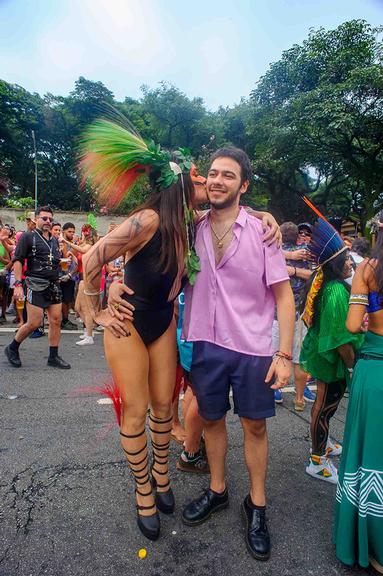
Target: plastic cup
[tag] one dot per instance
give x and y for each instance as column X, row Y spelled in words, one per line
column 20, row 304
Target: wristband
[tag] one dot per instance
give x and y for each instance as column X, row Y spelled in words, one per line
column 92, row 293
column 281, row 354
column 17, row 283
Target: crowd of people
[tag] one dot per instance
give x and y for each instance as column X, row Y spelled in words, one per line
column 208, row 303
column 40, row 281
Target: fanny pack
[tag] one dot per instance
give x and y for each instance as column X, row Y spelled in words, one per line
column 37, row 284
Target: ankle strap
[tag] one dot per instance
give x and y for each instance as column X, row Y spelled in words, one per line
column 132, row 435
column 135, row 453
column 161, row 446
column 159, row 431
column 159, row 420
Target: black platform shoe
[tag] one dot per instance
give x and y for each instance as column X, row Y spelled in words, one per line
column 149, row 525
column 203, row 507
column 257, row 536
column 164, row 500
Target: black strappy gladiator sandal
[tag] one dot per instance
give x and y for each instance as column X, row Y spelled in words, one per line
column 149, row 525
column 164, row 500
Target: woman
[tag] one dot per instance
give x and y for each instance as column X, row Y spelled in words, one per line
column 157, row 240
column 358, row 533
column 328, row 350
column 4, row 272
column 88, row 239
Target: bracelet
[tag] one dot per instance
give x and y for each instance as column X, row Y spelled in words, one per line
column 92, row 293
column 281, row 354
column 361, row 299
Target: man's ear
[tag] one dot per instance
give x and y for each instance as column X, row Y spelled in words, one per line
column 244, row 186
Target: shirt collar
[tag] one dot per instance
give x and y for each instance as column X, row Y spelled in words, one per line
column 241, row 218
column 41, row 234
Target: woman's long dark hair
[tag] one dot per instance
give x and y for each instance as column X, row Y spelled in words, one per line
column 377, row 254
column 169, row 206
column 333, row 270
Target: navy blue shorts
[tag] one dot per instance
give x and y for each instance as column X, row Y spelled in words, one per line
column 214, row 369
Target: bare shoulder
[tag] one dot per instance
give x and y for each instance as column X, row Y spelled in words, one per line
column 366, row 268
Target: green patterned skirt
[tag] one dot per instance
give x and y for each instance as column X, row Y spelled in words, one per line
column 358, row 530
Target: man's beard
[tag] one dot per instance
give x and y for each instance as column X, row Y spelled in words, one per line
column 229, row 201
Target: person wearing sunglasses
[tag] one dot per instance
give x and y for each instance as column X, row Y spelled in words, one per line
column 41, row 251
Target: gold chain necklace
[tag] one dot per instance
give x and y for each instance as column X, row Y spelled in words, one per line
column 220, row 240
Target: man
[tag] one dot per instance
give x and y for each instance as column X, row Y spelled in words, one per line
column 41, row 251
column 305, row 231
column 299, row 270
column 228, row 315
column 30, row 221
column 67, row 283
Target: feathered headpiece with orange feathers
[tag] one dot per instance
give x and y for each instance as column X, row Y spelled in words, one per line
column 325, row 244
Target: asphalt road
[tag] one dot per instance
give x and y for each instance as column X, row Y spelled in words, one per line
column 67, row 502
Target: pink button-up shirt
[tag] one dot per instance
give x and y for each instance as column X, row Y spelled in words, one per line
column 231, row 304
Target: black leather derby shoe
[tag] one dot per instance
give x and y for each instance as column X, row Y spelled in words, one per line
column 58, row 362
column 203, row 507
column 13, row 357
column 257, row 535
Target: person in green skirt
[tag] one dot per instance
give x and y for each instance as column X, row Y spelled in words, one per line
column 328, row 350
column 358, row 530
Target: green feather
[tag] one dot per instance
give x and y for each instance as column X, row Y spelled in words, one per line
column 92, row 221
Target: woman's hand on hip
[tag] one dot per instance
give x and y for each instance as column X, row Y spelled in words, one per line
column 117, row 306
column 117, row 327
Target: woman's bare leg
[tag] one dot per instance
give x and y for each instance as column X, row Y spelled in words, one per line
column 129, row 361
column 162, row 374
column 82, row 310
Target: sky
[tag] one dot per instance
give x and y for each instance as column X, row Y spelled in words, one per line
column 215, row 49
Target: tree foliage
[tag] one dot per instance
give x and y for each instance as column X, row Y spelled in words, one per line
column 312, row 125
column 318, row 121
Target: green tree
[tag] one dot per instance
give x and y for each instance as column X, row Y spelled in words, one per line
column 319, row 110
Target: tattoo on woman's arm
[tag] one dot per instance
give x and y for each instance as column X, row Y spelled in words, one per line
column 111, row 249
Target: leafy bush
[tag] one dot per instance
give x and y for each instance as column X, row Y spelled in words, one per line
column 20, row 203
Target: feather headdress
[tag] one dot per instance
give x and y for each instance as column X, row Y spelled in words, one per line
column 325, row 244
column 113, row 156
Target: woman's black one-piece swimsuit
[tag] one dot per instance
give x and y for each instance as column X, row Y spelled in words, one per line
column 153, row 313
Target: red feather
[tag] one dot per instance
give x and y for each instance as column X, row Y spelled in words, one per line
column 315, row 209
column 111, row 390
column 110, row 196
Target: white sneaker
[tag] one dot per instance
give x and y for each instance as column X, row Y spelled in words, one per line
column 85, row 341
column 85, row 335
column 321, row 467
column 333, row 448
